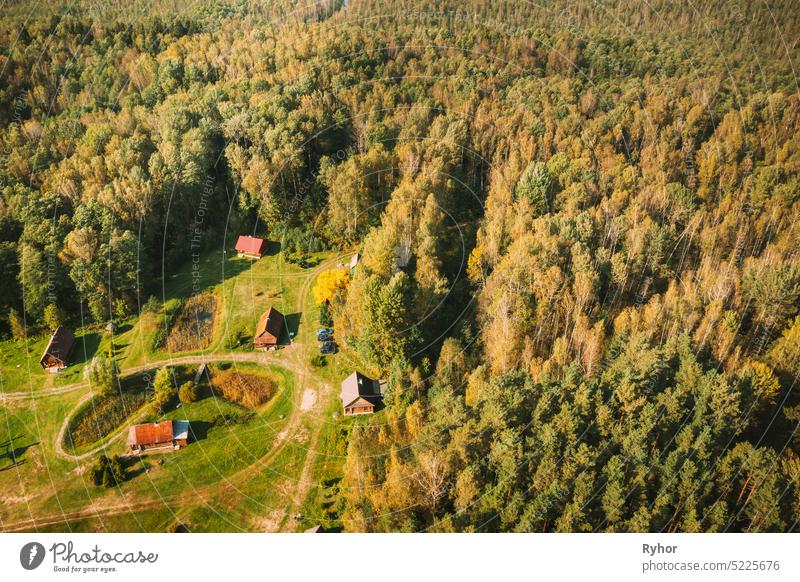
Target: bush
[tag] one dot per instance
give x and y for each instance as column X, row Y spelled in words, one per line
column 235, row 338
column 325, row 318
column 107, row 471
column 188, row 392
column 165, row 392
column 319, row 361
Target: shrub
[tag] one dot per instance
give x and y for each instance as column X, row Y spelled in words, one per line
column 319, row 361
column 235, row 338
column 188, row 392
column 152, row 305
column 325, row 318
column 107, row 471
column 165, row 392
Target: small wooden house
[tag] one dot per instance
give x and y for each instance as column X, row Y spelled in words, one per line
column 360, row 395
column 59, row 348
column 167, row 434
column 268, row 330
column 250, row 247
column 354, row 261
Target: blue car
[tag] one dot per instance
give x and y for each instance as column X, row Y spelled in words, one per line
column 324, row 334
column 328, row 348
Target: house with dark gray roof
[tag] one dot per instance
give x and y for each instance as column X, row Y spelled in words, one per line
column 360, row 394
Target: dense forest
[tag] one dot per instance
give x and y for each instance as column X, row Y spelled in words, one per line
column 578, row 223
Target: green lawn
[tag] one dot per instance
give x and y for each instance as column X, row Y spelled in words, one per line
column 19, row 361
column 242, row 471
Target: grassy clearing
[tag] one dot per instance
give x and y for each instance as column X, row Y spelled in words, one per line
column 229, row 439
column 19, row 361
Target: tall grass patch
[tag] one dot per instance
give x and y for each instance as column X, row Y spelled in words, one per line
column 193, row 327
column 247, row 390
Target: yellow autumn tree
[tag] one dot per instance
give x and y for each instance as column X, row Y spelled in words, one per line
column 329, row 284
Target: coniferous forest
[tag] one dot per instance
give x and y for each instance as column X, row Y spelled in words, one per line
column 578, row 223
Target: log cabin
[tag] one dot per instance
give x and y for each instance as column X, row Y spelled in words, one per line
column 167, row 434
column 361, row 395
column 250, row 247
column 56, row 355
column 268, row 330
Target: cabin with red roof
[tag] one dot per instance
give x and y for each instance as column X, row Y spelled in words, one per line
column 268, row 330
column 251, row 247
column 167, row 434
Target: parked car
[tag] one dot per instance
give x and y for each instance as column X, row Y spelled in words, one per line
column 324, row 337
column 328, row 348
column 324, row 330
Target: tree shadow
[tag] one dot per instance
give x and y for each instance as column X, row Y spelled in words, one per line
column 134, row 465
column 291, row 324
column 198, row 430
column 85, row 348
column 271, row 248
column 14, row 454
column 210, row 271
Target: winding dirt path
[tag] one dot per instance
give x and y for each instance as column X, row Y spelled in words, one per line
column 294, row 358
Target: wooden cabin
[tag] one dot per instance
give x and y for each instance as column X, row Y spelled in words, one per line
column 59, row 348
column 250, row 247
column 167, row 434
column 268, row 330
column 360, row 395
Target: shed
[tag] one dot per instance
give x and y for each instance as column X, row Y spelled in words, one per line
column 360, row 394
column 159, row 435
column 268, row 330
column 354, row 261
column 59, row 348
column 250, row 247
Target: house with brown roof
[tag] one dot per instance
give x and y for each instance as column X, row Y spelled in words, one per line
column 268, row 330
column 166, row 434
column 360, row 395
column 59, row 348
column 251, row 247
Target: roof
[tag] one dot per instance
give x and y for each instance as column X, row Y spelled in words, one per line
column 251, row 245
column 150, row 434
column 270, row 322
column 60, row 344
column 354, row 260
column 180, row 429
column 315, row 529
column 356, row 386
